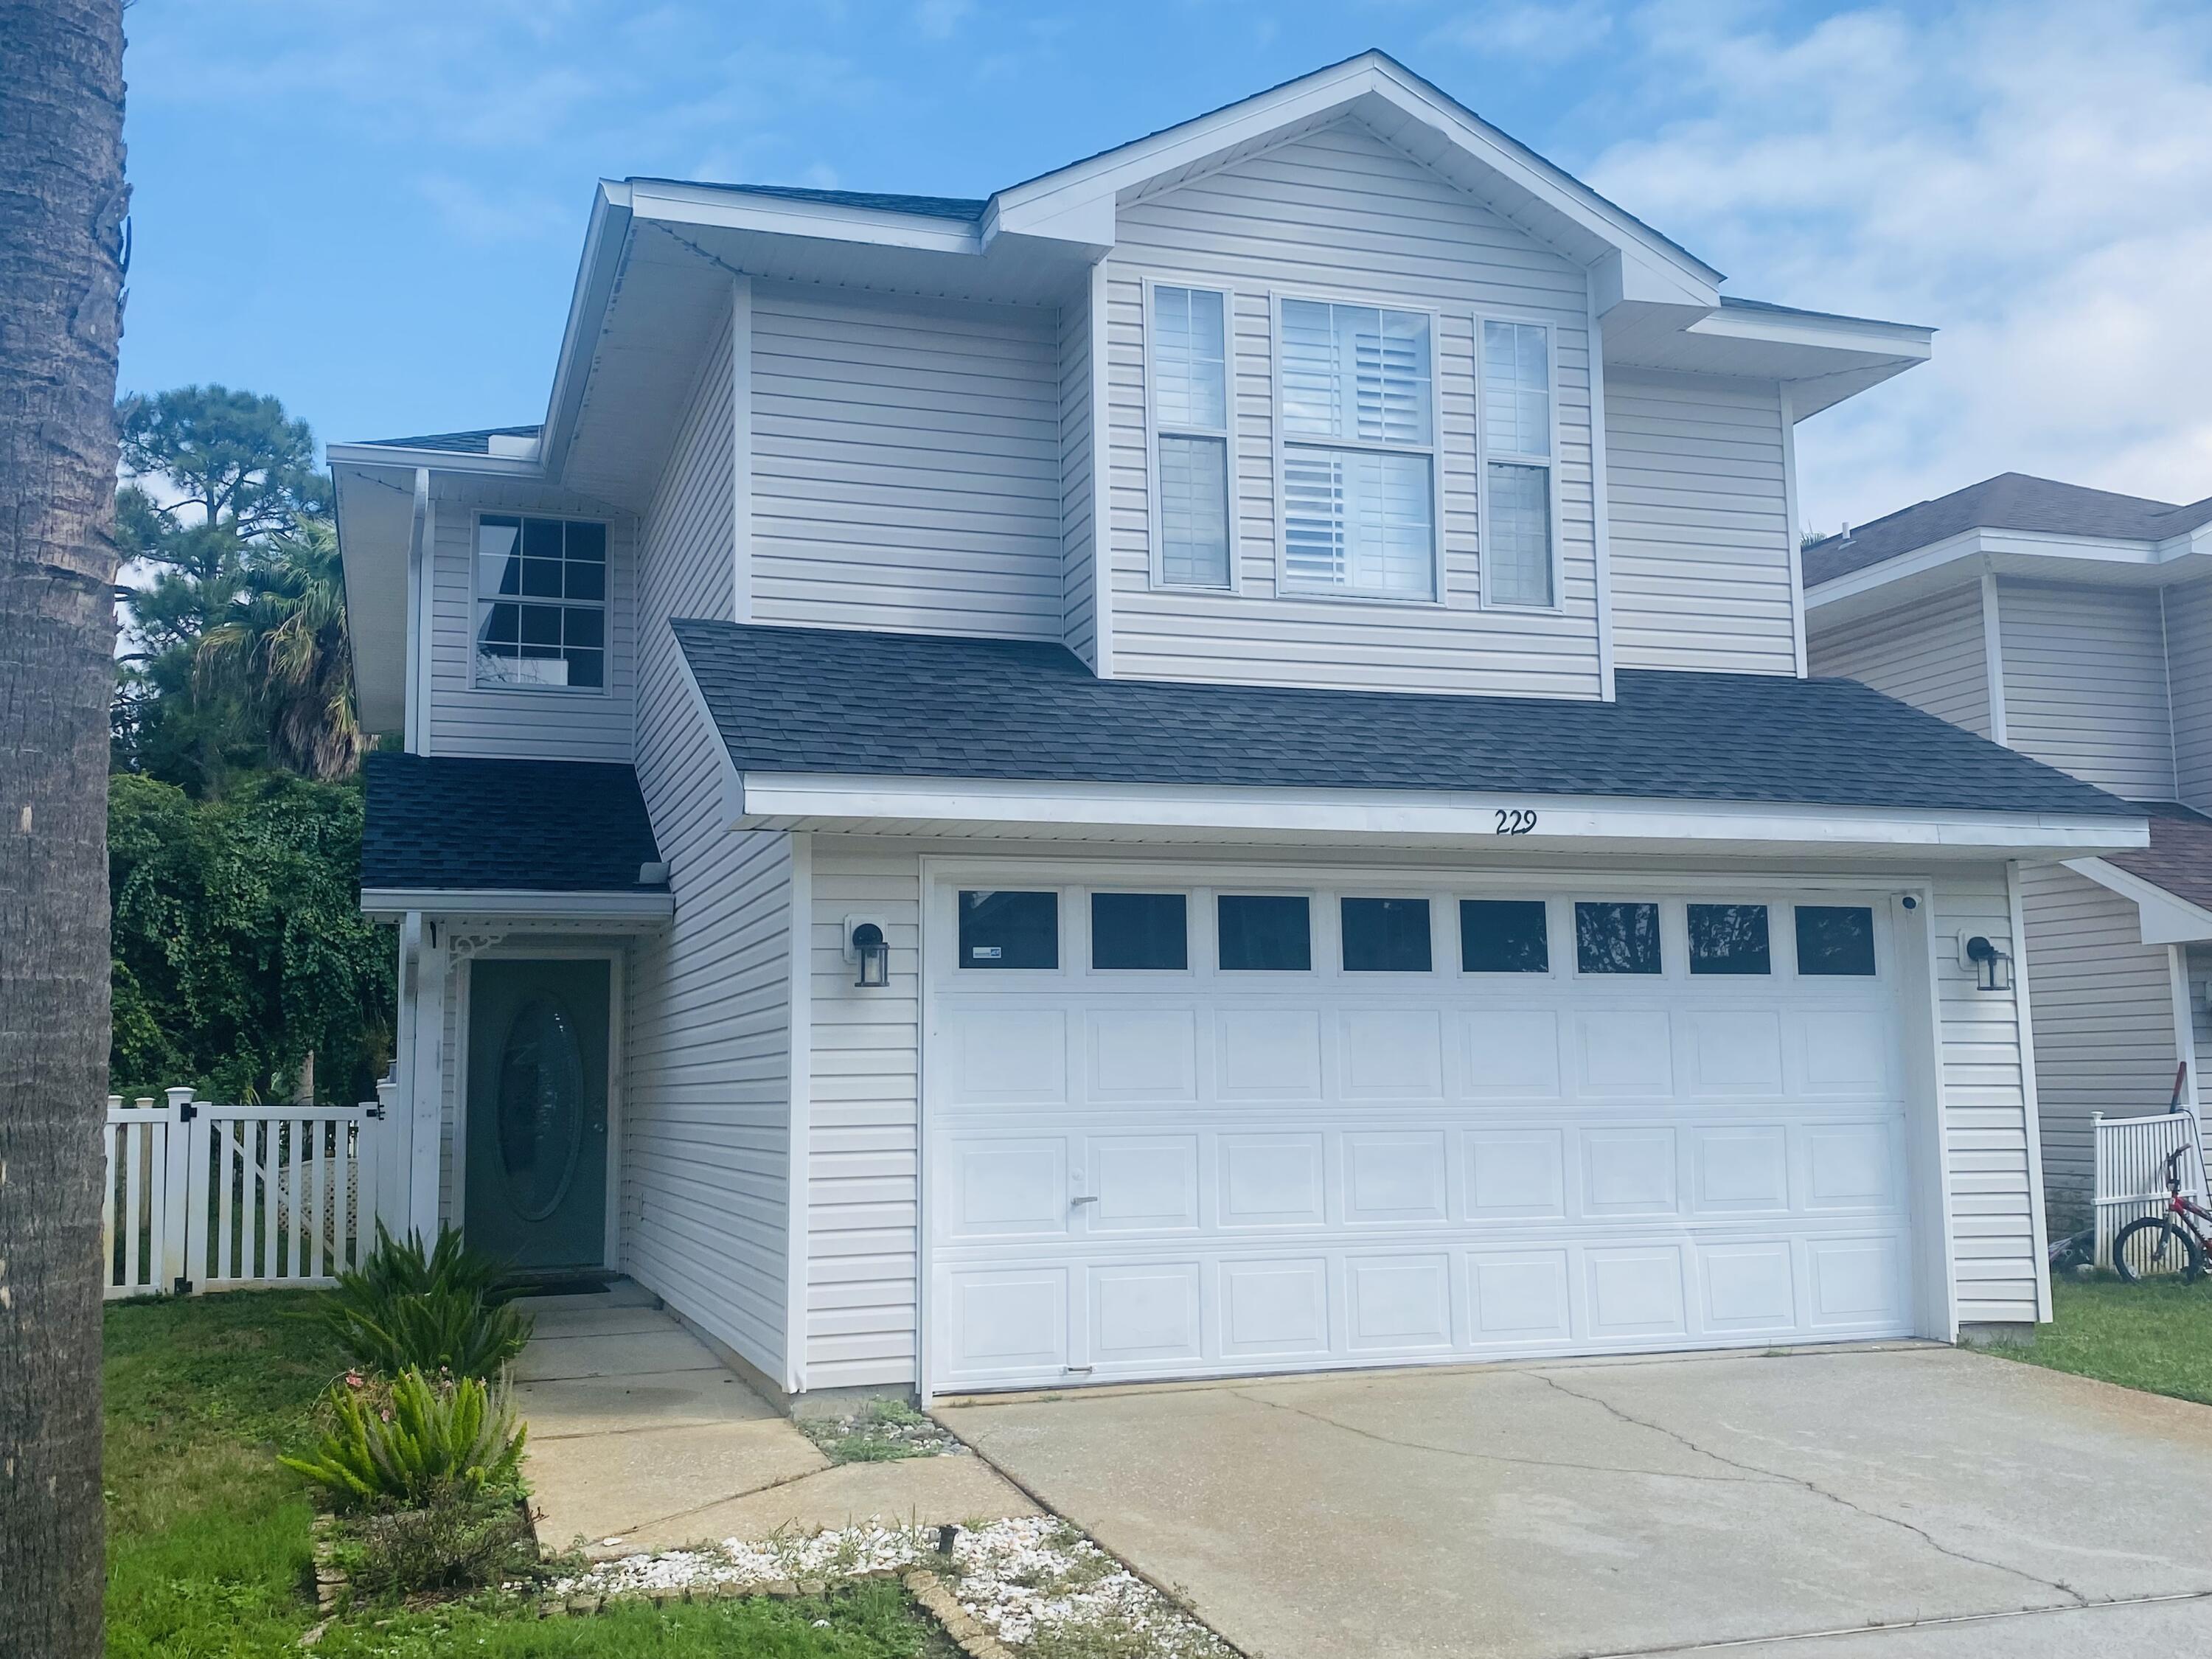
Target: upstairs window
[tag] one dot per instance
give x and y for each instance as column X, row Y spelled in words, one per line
column 1516, row 448
column 1359, row 428
column 541, row 601
column 1190, row 428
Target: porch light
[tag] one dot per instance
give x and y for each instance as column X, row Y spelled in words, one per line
column 873, row 952
column 1992, row 967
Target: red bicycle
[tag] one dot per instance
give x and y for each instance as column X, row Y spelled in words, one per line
column 2168, row 1245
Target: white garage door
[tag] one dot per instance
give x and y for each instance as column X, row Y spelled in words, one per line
column 1180, row 1130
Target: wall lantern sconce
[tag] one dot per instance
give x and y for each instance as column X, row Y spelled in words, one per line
column 1992, row 967
column 872, row 951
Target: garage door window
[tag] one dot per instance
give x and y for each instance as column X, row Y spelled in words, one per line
column 1728, row 938
column 1002, row 929
column 1385, row 935
column 1140, row 930
column 1504, row 936
column 1616, row 938
column 1835, row 940
column 1264, row 933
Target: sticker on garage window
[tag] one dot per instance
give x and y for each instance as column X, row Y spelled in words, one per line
column 985, row 952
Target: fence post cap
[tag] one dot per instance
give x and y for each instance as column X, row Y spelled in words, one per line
column 181, row 1096
column 144, row 1102
column 115, row 1103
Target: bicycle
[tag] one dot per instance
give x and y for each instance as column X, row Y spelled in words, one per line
column 2170, row 1243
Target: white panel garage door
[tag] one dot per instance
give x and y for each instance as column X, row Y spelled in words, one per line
column 1537, row 1144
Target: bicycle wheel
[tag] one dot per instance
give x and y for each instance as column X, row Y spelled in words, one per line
column 2153, row 1247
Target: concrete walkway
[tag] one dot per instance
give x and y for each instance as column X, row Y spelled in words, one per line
column 642, row 1438
column 1971, row 1504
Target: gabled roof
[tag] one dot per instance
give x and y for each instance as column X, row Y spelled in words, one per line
column 2011, row 501
column 449, row 822
column 794, row 699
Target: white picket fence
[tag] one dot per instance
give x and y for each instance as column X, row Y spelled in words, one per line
column 207, row 1197
column 2131, row 1155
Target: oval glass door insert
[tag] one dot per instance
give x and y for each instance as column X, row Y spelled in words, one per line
column 541, row 1107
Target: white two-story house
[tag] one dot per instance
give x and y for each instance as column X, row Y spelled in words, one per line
column 2074, row 625
column 1203, row 765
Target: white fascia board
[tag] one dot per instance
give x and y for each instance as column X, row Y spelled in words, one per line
column 2167, row 918
column 2025, row 544
column 613, row 909
column 1818, row 330
column 677, row 204
column 825, row 799
column 606, row 242
column 1060, row 196
column 403, row 458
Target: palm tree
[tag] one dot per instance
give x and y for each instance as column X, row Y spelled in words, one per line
column 62, row 206
column 284, row 647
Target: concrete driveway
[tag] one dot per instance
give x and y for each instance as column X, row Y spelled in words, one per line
column 1968, row 1504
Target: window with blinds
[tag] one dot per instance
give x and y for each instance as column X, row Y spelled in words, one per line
column 1517, row 552
column 1190, row 340
column 1358, row 430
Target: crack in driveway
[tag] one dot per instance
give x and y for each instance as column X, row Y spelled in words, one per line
column 1381, row 1438
column 2074, row 1597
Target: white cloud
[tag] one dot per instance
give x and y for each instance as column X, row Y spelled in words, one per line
column 484, row 217
column 937, row 20
column 2033, row 179
column 1533, row 29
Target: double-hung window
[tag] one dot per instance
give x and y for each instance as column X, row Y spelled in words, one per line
column 541, row 601
column 1190, row 434
column 1516, row 448
column 1358, row 440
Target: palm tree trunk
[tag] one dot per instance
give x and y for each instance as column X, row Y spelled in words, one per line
column 61, row 202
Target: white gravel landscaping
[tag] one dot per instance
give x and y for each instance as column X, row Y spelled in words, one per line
column 1034, row 1582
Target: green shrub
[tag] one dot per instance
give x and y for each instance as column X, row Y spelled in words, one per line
column 433, row 1310
column 415, row 1442
column 455, row 1542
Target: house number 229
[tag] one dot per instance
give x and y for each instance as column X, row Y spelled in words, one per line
column 1515, row 820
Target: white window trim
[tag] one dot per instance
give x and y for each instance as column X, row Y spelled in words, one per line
column 1288, row 589
column 1483, row 458
column 1154, row 430
column 476, row 595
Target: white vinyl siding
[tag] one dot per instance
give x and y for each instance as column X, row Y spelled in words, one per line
column 1079, row 562
column 1516, row 427
column 2189, row 670
column 1701, row 544
column 708, row 1096
column 513, row 721
column 1339, row 215
column 2103, row 1016
column 863, row 1256
column 2085, row 683
column 907, row 464
column 1932, row 656
column 1996, row 1267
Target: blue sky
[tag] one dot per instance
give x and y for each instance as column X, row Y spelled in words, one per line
column 374, row 208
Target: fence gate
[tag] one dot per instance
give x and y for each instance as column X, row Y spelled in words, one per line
column 2131, row 1154
column 209, row 1197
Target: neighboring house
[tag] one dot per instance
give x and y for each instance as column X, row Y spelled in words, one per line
column 2075, row 626
column 1202, row 766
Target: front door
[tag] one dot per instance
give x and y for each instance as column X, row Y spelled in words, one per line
column 537, row 1117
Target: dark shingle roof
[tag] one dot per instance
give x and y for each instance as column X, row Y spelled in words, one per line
column 2011, row 501
column 817, row 700
column 966, row 208
column 2180, row 856
column 478, row 442
column 440, row 821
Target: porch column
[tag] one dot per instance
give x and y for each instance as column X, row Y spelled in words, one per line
column 424, row 955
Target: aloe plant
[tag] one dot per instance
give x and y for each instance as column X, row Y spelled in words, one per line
column 414, row 1441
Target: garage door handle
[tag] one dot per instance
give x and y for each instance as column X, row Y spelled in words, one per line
column 1082, row 1198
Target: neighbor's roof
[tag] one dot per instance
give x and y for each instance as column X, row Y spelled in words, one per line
column 478, row 442
column 2180, row 856
column 912, row 705
column 454, row 822
column 968, row 209
column 2011, row 501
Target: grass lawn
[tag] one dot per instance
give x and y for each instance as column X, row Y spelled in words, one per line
column 208, row 1535
column 2153, row 1337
